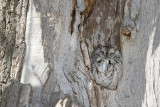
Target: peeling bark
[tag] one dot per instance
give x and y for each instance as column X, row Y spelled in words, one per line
column 85, row 53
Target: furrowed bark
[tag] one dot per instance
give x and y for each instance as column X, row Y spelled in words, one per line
column 84, row 53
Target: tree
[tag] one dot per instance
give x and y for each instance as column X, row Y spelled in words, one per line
column 102, row 53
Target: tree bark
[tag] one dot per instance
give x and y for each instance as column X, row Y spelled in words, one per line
column 85, row 53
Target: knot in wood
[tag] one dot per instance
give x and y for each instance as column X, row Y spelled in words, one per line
column 2, row 53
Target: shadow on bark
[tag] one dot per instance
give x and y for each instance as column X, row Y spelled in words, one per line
column 132, row 87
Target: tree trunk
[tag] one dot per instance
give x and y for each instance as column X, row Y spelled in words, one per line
column 85, row 53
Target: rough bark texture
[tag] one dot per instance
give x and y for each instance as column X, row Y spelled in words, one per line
column 84, row 53
column 12, row 39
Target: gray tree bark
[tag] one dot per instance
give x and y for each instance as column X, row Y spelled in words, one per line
column 79, row 53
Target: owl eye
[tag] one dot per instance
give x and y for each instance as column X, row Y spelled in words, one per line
column 99, row 61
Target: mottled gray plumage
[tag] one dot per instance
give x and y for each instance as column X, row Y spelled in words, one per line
column 106, row 66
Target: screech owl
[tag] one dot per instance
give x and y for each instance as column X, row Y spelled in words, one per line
column 106, row 66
